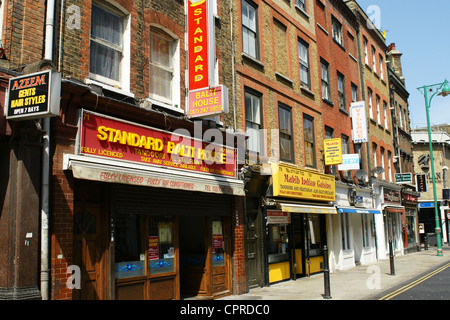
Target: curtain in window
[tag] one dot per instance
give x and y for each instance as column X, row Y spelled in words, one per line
column 106, row 43
column 161, row 64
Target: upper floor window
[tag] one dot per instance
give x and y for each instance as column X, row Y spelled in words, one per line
column 381, row 67
column 369, row 91
column 337, row 33
column 301, row 4
column 107, row 45
column 341, row 90
column 253, row 121
column 309, row 141
column 324, row 74
column 303, row 57
column 374, row 62
column 386, row 123
column 286, row 135
column 354, row 93
column 366, row 55
column 249, row 29
column 163, row 71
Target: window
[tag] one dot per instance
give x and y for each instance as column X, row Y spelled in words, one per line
column 366, row 55
column 253, row 121
column 374, row 63
column 286, row 141
column 337, row 32
column 383, row 175
column 345, row 231
column 325, row 80
column 163, row 52
column 249, row 30
column 354, row 93
column 309, row 141
column 345, row 141
column 386, row 123
column 303, row 57
column 369, row 91
column 378, row 109
column 341, row 90
column 301, row 4
column 366, row 227
column 161, row 247
column 381, row 67
column 389, row 166
column 374, row 155
column 106, row 45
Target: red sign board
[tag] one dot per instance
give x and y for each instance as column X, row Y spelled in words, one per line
column 153, row 252
column 107, row 137
column 201, row 44
column 207, row 102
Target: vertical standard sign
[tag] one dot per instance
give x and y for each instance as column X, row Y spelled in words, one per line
column 201, row 46
column 359, row 121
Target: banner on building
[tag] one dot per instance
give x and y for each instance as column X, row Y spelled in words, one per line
column 34, row 96
column 208, row 102
column 333, row 151
column 291, row 182
column 359, row 121
column 349, row 162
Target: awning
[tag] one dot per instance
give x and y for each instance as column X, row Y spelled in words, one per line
column 113, row 171
column 298, row 208
column 358, row 210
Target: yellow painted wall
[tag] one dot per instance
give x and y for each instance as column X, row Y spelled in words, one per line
column 315, row 263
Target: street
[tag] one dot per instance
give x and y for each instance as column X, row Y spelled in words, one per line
column 433, row 285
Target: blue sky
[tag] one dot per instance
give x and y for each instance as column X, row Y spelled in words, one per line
column 420, row 31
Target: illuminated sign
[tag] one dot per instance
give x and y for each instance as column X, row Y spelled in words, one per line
column 107, row 137
column 201, row 44
column 291, row 182
column 333, row 151
column 207, row 102
column 34, row 96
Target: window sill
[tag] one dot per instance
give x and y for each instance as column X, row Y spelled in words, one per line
column 302, row 12
column 339, row 44
column 109, row 87
column 329, row 102
column 322, row 28
column 284, row 78
column 248, row 57
column 307, row 91
column 157, row 103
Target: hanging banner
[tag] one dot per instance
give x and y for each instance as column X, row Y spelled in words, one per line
column 359, row 121
column 333, row 151
column 201, row 44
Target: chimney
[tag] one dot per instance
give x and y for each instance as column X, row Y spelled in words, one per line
column 394, row 58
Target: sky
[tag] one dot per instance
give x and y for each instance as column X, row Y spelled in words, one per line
column 421, row 32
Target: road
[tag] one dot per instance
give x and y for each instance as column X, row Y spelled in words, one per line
column 434, row 285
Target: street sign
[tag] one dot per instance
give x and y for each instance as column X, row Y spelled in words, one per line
column 403, row 177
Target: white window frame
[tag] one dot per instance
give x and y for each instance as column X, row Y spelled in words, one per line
column 378, row 108
column 386, row 122
column 174, row 101
column 370, row 97
column 124, row 70
column 248, row 4
column 255, row 122
column 366, row 54
column 374, row 59
column 303, row 47
column 325, row 80
column 380, row 58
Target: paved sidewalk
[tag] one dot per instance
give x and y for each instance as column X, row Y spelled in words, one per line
column 369, row 282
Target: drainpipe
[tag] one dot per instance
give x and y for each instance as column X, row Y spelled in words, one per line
column 45, row 270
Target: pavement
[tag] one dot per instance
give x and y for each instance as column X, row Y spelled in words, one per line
column 363, row 282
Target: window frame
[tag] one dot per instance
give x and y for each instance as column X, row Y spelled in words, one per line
column 341, row 91
column 325, row 66
column 174, row 100
column 301, row 4
column 258, row 97
column 123, row 82
column 250, row 4
column 336, row 31
column 309, row 119
column 290, row 133
column 304, row 64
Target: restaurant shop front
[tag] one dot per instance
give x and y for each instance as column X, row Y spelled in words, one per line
column 296, row 208
column 151, row 213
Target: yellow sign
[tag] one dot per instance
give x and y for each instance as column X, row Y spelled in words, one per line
column 291, row 182
column 333, row 151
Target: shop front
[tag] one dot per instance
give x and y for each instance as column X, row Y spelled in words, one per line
column 154, row 212
column 393, row 212
column 410, row 221
column 296, row 209
column 352, row 233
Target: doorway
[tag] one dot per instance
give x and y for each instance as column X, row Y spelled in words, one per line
column 204, row 259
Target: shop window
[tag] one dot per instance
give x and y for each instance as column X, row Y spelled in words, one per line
column 161, row 248
column 218, row 242
column 277, row 248
column 345, row 231
column 129, row 248
column 366, row 227
column 314, row 236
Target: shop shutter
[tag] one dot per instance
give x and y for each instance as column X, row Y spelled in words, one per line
column 145, row 200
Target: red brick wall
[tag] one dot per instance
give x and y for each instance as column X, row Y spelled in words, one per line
column 238, row 246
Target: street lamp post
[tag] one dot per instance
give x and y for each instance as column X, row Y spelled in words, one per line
column 429, row 92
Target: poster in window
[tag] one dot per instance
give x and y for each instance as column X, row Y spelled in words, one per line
column 153, row 252
column 165, row 232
